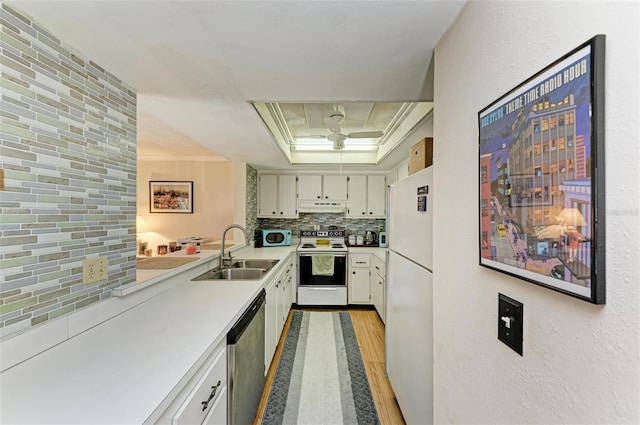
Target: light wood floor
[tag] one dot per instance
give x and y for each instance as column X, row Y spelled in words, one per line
column 370, row 334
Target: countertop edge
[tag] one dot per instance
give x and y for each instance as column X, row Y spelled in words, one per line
column 151, row 406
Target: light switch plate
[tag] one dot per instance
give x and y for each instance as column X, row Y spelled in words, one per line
column 510, row 314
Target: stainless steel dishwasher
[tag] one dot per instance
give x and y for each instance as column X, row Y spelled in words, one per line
column 245, row 363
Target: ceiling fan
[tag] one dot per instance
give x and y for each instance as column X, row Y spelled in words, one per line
column 333, row 123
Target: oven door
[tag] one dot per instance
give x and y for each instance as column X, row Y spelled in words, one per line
column 322, row 269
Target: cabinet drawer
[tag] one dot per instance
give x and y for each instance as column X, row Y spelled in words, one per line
column 359, row 260
column 211, row 386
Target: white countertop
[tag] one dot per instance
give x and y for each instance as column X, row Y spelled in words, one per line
column 377, row 251
column 120, row 371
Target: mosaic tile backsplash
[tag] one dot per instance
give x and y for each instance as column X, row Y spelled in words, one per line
column 68, row 151
column 252, row 201
column 308, row 220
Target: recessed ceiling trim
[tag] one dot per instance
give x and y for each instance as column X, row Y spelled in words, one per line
column 407, row 127
column 302, row 134
column 269, row 124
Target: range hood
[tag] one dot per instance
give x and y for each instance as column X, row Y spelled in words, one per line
column 322, row 206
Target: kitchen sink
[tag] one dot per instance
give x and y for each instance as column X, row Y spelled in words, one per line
column 253, row 264
column 241, row 269
column 232, row 274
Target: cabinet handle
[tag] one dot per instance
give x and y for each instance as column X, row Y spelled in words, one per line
column 214, row 389
column 318, row 197
column 370, row 212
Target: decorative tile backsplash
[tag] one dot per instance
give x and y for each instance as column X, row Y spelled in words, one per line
column 308, row 220
column 68, row 151
column 252, row 201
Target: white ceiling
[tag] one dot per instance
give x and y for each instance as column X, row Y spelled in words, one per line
column 196, row 65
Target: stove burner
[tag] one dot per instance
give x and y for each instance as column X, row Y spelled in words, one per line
column 308, row 245
column 337, row 245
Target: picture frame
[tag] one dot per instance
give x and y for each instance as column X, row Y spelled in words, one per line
column 175, row 197
column 542, row 181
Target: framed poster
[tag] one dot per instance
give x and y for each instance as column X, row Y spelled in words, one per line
column 171, row 197
column 541, row 163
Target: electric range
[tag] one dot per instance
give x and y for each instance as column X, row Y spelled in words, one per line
column 322, row 268
column 309, row 241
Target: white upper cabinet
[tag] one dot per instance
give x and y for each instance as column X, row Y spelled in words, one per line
column 287, row 196
column 376, row 196
column 322, row 188
column 334, row 188
column 310, row 187
column 267, row 195
column 357, row 202
column 277, row 196
column 367, row 196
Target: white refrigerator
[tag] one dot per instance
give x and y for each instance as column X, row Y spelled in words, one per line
column 409, row 321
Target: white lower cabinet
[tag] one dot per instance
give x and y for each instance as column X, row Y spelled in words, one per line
column 271, row 313
column 359, row 292
column 377, row 285
column 279, row 299
column 204, row 399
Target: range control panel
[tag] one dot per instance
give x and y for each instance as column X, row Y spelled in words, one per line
column 322, row 233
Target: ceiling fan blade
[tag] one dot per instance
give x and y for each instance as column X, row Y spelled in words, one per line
column 365, row 135
column 333, row 124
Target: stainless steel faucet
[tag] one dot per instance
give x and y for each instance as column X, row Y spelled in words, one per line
column 226, row 261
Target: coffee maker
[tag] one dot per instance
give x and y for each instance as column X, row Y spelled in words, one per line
column 371, row 238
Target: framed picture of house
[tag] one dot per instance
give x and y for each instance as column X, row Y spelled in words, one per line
column 171, row 197
column 541, row 164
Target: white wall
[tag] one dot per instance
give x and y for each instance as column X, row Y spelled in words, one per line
column 213, row 194
column 581, row 362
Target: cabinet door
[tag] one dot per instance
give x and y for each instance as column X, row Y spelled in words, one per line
column 267, row 195
column 287, row 196
column 377, row 287
column 357, row 201
column 288, row 300
column 271, row 313
column 334, row 188
column 309, row 187
column 359, row 286
column 280, row 306
column 376, row 196
column 288, row 288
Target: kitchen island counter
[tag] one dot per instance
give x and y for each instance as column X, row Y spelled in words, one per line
column 128, row 368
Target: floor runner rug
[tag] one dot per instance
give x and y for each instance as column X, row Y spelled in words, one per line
column 321, row 377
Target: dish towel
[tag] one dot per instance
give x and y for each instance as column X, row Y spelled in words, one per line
column 322, row 265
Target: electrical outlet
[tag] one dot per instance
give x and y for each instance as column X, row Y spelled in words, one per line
column 94, row 269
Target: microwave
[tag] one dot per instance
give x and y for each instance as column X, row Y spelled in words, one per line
column 275, row 237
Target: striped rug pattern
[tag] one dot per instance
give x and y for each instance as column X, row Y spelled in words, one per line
column 321, row 377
